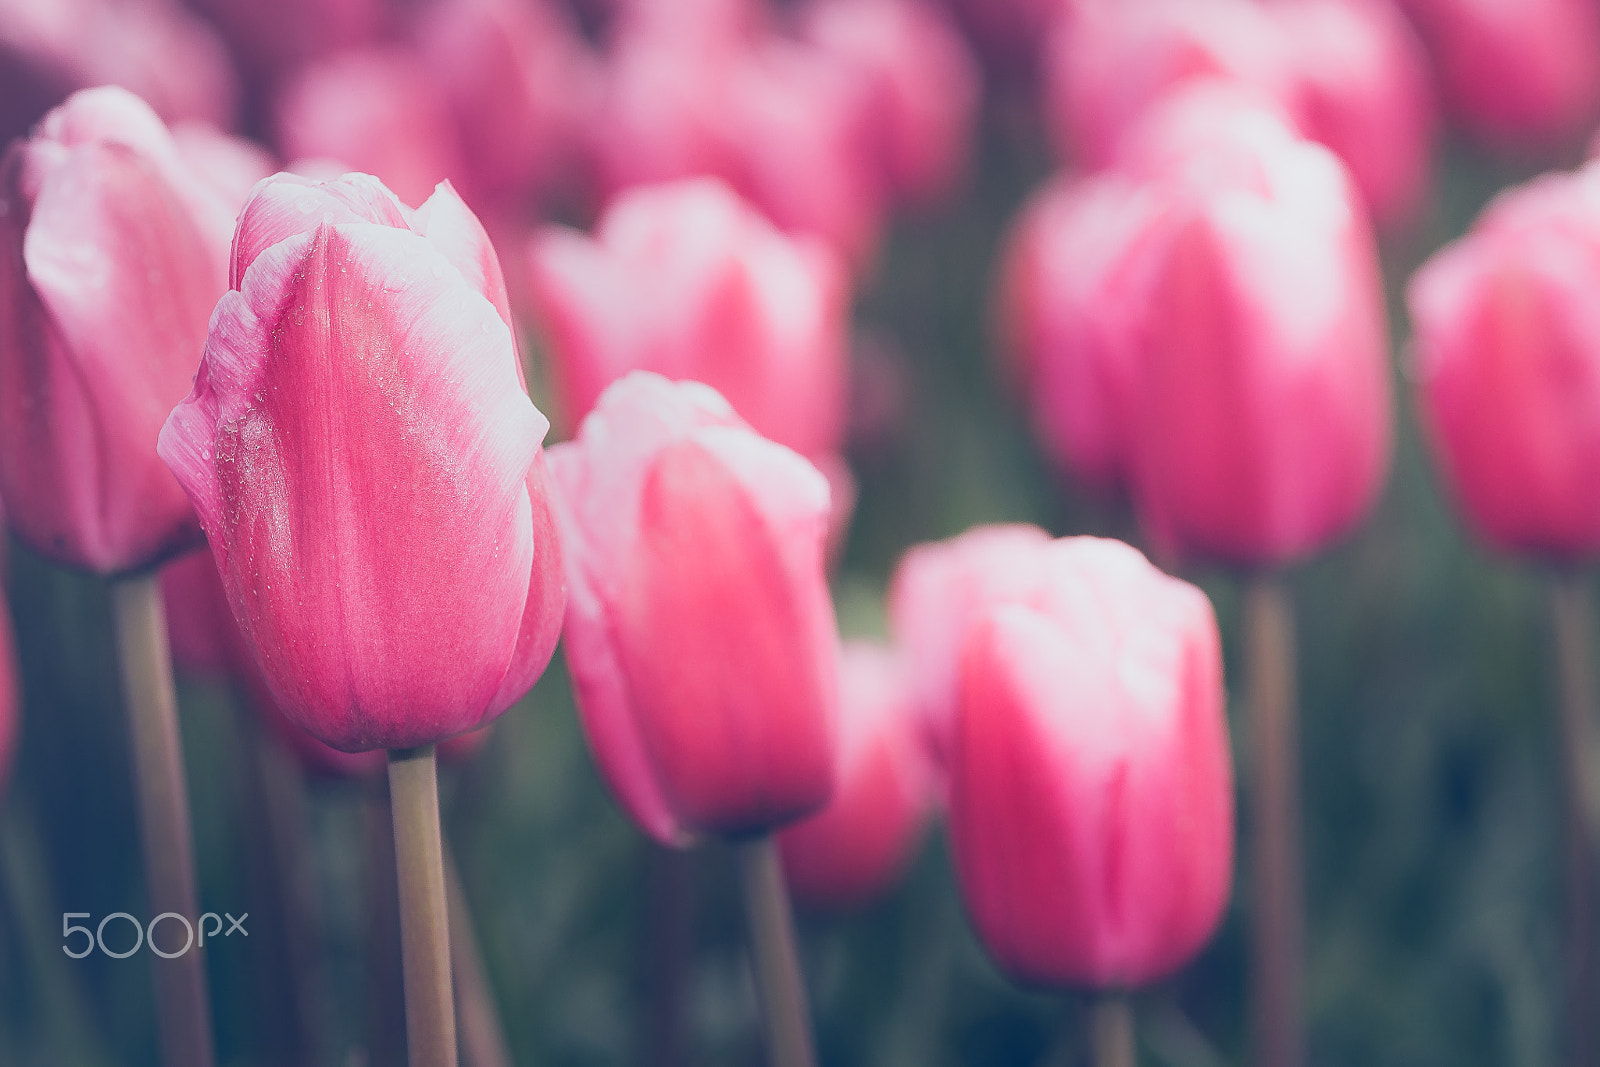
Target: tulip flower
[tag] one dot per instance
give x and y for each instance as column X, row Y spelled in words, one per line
column 376, row 109
column 691, row 282
column 112, row 254
column 1507, row 369
column 922, row 84
column 700, row 640
column 936, row 592
column 369, row 472
column 1507, row 363
column 855, row 849
column 1523, row 76
column 1091, row 791
column 270, row 39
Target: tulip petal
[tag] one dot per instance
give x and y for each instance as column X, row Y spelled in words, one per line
column 287, row 204
column 451, row 227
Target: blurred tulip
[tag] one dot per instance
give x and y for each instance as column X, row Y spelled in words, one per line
column 112, row 256
column 268, row 39
column 855, row 849
column 783, row 124
column 1349, row 73
column 937, row 591
column 1261, row 414
column 377, row 110
column 520, row 85
column 922, row 86
column 687, row 280
column 368, row 467
column 229, row 165
column 1091, row 791
column 1507, row 364
column 152, row 48
column 700, row 635
column 1520, row 75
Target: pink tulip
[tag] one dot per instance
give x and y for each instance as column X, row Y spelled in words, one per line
column 229, row 165
column 1521, row 75
column 937, row 592
column 368, row 468
column 1261, row 413
column 269, row 39
column 853, row 851
column 689, row 281
column 112, row 255
column 376, row 110
column 700, row 636
column 781, row 123
column 1508, row 366
column 519, row 83
column 1349, row 73
column 922, row 85
column 1091, row 792
column 153, row 48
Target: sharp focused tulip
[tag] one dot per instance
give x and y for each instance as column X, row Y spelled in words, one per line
column 921, row 83
column 1522, row 75
column 112, row 255
column 855, row 849
column 700, row 636
column 689, row 281
column 1350, row 73
column 368, row 468
column 937, row 591
column 1508, row 366
column 1091, row 792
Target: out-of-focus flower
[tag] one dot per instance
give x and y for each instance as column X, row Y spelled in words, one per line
column 230, row 165
column 368, row 468
column 700, row 635
column 1205, row 323
column 269, row 39
column 782, row 123
column 687, row 280
column 937, row 592
column 377, row 110
column 521, row 87
column 1521, row 75
column 112, row 255
column 1350, row 73
column 1507, row 363
column 854, row 850
column 1091, row 792
column 152, row 48
column 921, row 83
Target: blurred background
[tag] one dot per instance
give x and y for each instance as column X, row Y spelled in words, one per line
column 1432, row 813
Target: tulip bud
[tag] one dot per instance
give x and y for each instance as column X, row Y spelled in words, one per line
column 1520, row 75
column 854, row 850
column 368, row 468
column 689, row 281
column 112, row 256
column 1091, row 791
column 1507, row 365
column 937, row 591
column 700, row 636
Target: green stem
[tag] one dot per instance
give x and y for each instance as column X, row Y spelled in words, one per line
column 774, row 956
column 483, row 1039
column 1278, row 894
column 424, row 914
column 163, row 807
column 1573, row 616
column 1111, row 1028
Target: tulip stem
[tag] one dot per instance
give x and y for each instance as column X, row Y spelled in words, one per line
column 483, row 1039
column 774, row 956
column 424, row 914
column 1278, row 895
column 1573, row 613
column 1111, row 1030
column 182, row 997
